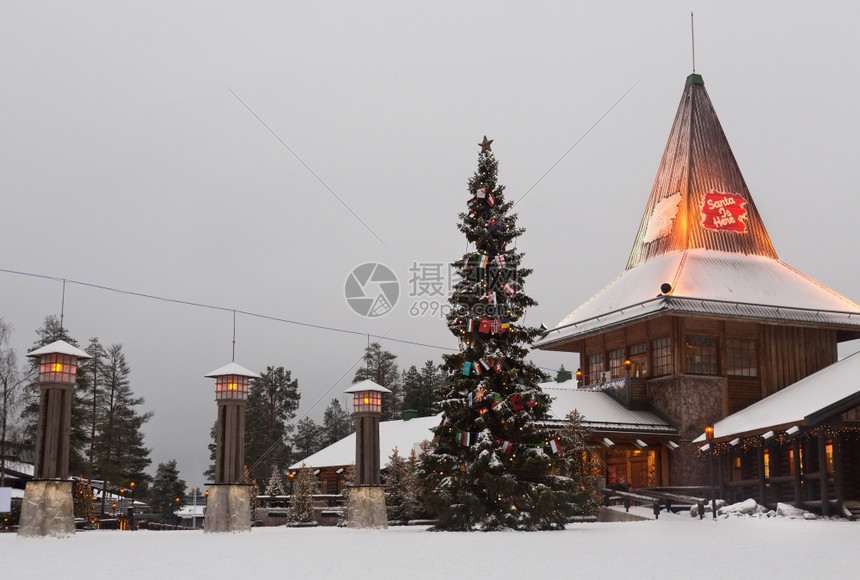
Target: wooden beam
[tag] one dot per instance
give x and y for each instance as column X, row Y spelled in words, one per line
column 795, row 447
column 838, row 473
column 822, row 480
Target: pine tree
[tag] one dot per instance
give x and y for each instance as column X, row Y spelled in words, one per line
column 492, row 468
column 12, row 380
column 575, row 463
column 425, row 398
column 337, row 423
column 272, row 402
column 209, row 474
column 308, row 438
column 379, row 367
column 411, row 382
column 412, row 503
column 275, row 486
column 119, row 451
column 302, row 500
column 252, row 484
column 395, row 481
column 167, row 487
column 82, row 498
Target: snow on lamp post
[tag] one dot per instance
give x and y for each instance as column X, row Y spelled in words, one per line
column 228, row 508
column 47, row 509
column 367, row 499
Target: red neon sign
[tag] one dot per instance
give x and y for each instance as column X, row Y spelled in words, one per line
column 724, row 211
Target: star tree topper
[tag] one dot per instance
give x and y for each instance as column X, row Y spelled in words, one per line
column 485, row 145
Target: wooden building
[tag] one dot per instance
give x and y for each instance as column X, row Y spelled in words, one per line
column 800, row 445
column 629, row 446
column 708, row 316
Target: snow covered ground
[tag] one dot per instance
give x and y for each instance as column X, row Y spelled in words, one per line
column 674, row 546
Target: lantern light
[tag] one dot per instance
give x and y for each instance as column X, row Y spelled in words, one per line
column 628, row 364
column 231, row 382
column 58, row 362
column 709, row 432
column 367, row 397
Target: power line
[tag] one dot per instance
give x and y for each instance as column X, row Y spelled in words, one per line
column 225, row 309
column 234, row 311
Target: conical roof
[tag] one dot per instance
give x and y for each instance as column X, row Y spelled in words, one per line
column 702, row 249
column 699, row 198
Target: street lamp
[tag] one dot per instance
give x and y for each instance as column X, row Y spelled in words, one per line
column 131, row 509
column 230, row 506
column 628, row 384
column 47, row 508
column 709, row 435
column 366, row 507
column 578, row 377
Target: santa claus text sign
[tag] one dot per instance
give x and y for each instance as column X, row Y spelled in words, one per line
column 724, row 211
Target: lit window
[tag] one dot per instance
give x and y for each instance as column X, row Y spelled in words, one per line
column 639, row 358
column 662, row 357
column 616, row 363
column 595, row 368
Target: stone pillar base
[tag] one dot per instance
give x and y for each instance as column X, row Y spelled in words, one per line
column 228, row 509
column 366, row 507
column 47, row 509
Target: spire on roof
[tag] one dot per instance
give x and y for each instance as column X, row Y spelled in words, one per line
column 699, row 198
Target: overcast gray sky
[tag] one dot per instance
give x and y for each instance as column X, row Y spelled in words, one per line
column 126, row 161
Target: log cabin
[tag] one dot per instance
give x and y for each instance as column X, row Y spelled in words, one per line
column 706, row 320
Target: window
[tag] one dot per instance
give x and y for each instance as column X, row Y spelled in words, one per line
column 639, row 358
column 741, row 359
column 616, row 363
column 662, row 356
column 595, row 368
column 702, row 355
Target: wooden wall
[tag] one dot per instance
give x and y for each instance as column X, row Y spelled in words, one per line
column 785, row 354
column 789, row 354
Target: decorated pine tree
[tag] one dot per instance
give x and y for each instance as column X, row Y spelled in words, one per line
column 302, row 500
column 275, row 486
column 493, row 466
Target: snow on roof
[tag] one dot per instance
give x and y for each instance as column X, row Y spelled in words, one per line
column 367, row 385
column 59, row 347
column 20, row 467
column 794, row 404
column 188, row 511
column 232, row 369
column 601, row 412
column 401, row 434
column 707, row 282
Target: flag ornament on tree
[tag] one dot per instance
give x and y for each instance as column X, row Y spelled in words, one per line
column 491, row 399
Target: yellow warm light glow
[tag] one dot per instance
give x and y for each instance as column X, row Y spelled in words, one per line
column 367, row 400
column 57, row 368
column 232, row 386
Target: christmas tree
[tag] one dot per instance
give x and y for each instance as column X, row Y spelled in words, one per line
column 302, row 500
column 494, row 466
column 276, row 484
